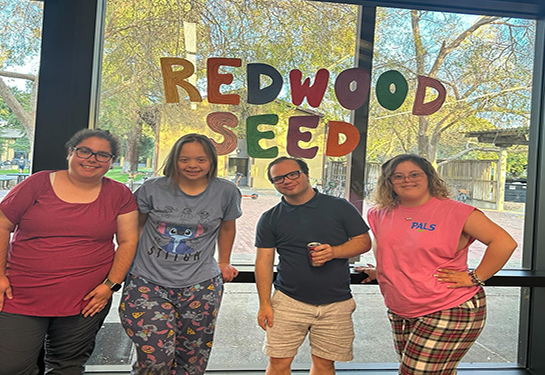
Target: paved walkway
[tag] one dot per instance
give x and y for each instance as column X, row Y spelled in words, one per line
column 244, row 250
column 239, row 340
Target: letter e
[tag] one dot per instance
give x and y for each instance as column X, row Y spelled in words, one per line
column 216, row 79
column 253, row 135
column 295, row 135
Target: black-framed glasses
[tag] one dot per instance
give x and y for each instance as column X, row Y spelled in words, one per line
column 398, row 178
column 86, row 153
column 291, row 176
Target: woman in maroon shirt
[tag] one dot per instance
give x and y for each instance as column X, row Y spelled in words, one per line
column 58, row 272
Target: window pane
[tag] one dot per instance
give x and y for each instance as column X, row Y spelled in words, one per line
column 478, row 137
column 134, row 106
column 239, row 340
column 133, row 103
column 20, row 41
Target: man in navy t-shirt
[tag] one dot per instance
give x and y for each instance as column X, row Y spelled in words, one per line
column 312, row 292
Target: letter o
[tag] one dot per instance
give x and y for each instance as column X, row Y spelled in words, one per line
column 386, row 98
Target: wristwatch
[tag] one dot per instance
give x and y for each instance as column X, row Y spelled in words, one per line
column 110, row 284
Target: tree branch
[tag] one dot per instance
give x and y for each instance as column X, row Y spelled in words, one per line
column 30, row 77
column 15, row 106
column 445, row 50
column 463, row 152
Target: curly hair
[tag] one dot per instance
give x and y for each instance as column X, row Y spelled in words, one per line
column 386, row 197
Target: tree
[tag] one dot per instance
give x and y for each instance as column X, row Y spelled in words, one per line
column 138, row 33
column 20, row 38
column 484, row 62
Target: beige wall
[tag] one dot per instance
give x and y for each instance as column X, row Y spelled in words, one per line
column 180, row 119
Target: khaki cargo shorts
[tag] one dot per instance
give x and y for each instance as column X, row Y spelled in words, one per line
column 330, row 328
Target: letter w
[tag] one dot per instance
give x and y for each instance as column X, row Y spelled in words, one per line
column 313, row 93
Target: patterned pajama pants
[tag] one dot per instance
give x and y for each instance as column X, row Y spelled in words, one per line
column 172, row 328
column 434, row 344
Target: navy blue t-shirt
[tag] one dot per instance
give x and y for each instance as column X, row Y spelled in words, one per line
column 288, row 228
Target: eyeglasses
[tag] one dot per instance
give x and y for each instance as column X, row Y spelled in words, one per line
column 291, row 176
column 398, row 178
column 86, row 153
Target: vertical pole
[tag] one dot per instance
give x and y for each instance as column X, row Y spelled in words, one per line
column 502, row 174
column 360, row 117
column 68, row 73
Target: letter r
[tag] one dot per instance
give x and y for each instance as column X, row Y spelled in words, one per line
column 171, row 79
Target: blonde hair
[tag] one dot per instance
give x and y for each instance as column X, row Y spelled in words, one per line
column 386, row 197
column 170, row 167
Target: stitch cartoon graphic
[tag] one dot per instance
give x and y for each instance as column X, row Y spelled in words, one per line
column 186, row 214
column 167, row 211
column 204, row 220
column 179, row 238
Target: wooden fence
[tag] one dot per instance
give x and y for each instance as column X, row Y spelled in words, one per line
column 475, row 178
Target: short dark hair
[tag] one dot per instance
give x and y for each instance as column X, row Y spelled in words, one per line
column 170, row 167
column 303, row 166
column 84, row 134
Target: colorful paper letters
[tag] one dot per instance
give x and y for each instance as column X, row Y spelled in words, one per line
column 351, row 90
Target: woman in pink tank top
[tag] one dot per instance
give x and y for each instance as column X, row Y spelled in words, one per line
column 436, row 306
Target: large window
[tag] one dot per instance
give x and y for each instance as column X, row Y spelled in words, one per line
column 478, row 137
column 474, row 121
column 134, row 105
column 457, row 89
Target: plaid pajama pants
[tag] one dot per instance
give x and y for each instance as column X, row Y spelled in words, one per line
column 434, row 344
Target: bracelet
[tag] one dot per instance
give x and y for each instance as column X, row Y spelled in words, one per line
column 475, row 279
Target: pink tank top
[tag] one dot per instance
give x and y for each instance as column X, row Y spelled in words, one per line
column 412, row 243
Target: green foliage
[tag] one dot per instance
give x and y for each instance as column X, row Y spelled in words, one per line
column 138, row 34
column 20, row 31
column 21, row 144
column 116, row 174
column 485, row 63
column 517, row 164
column 6, row 113
column 146, row 146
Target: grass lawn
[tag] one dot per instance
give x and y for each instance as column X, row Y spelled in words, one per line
column 116, row 174
column 6, row 171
